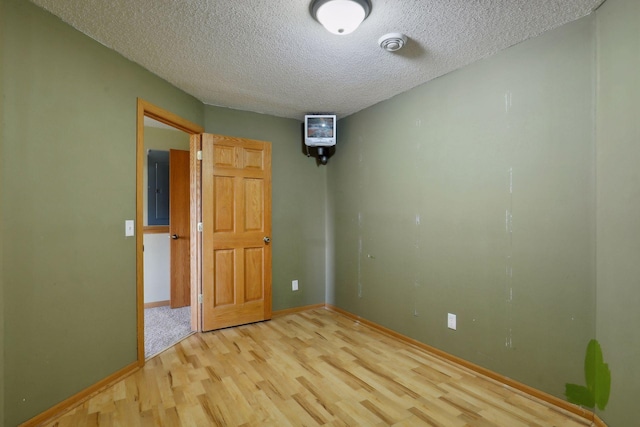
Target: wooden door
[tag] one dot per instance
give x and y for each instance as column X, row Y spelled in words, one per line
column 236, row 218
column 179, row 231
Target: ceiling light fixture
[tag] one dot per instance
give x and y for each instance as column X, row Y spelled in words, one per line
column 340, row 16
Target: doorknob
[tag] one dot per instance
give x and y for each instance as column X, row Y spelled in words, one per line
column 174, row 236
column 266, row 239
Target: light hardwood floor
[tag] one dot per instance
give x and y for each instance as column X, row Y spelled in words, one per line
column 307, row 369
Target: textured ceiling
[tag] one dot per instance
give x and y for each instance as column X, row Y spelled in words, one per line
column 271, row 56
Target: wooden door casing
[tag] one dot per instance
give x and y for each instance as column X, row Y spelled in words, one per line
column 236, row 217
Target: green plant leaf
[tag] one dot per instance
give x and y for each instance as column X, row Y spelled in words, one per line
column 597, row 374
column 590, row 364
column 579, row 395
column 598, row 378
column 603, row 385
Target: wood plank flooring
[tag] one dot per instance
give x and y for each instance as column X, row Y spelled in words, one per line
column 312, row 368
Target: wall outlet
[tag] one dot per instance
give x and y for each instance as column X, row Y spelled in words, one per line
column 451, row 321
column 294, row 285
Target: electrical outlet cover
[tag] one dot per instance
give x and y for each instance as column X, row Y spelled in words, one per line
column 451, row 321
column 129, row 228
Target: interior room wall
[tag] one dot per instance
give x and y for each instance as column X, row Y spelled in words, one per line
column 618, row 213
column 157, row 268
column 474, row 194
column 298, row 203
column 68, row 185
column 157, row 257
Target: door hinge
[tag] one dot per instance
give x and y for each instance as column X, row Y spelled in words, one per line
column 200, row 299
column 199, row 155
column 200, row 227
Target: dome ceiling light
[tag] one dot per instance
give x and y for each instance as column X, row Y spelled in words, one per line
column 340, row 17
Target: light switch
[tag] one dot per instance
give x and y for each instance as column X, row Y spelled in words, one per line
column 129, row 228
column 451, row 321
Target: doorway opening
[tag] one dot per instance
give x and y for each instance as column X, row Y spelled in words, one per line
column 152, row 294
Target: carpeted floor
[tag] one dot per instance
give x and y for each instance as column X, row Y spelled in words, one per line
column 163, row 327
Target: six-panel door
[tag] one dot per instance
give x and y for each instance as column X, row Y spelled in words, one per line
column 236, row 217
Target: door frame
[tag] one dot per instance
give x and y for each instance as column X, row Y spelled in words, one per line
column 147, row 109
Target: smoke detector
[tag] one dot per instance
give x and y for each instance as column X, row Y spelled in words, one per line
column 392, row 41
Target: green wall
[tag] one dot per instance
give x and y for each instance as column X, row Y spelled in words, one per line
column 422, row 186
column 474, row 194
column 68, row 185
column 618, row 213
column 2, row 126
column 298, row 203
column 165, row 139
